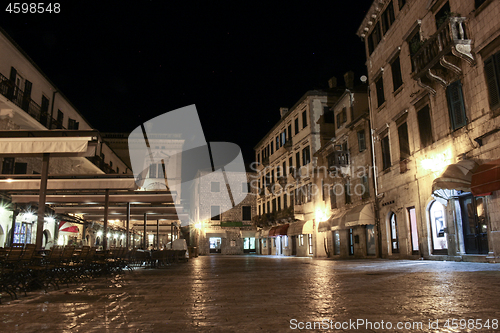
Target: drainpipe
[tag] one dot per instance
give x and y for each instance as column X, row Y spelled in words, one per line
column 374, row 177
column 52, row 109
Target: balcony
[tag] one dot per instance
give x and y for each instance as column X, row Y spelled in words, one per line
column 17, row 96
column 338, row 159
column 438, row 58
column 98, row 162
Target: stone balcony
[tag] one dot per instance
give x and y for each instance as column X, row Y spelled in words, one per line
column 438, row 58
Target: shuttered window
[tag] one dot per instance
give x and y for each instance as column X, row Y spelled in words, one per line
column 404, row 142
column 425, row 126
column 361, row 140
column 456, row 105
column 379, row 85
column 397, row 79
column 492, row 72
column 386, row 153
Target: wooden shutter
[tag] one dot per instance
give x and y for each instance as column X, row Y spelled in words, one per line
column 456, row 105
column 491, row 73
column 404, row 142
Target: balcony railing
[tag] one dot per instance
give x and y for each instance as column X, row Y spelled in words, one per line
column 17, row 96
column 338, row 159
column 97, row 161
column 451, row 37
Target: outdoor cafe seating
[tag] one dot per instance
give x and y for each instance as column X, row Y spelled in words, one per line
column 23, row 269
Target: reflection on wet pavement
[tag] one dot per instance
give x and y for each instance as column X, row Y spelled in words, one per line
column 255, row 293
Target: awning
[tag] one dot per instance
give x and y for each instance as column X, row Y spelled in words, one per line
column 455, row 177
column 335, row 222
column 12, row 146
column 486, row 178
column 360, row 215
column 272, row 232
column 67, row 227
column 280, row 230
column 264, row 233
column 300, row 228
column 76, row 182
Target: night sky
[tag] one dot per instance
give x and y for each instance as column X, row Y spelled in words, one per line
column 122, row 63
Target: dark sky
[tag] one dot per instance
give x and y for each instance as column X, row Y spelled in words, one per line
column 124, row 62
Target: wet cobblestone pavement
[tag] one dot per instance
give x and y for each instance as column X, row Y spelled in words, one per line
column 269, row 294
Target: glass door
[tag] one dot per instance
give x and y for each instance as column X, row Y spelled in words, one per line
column 438, row 228
column 412, row 218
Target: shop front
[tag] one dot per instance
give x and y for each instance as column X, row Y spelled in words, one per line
column 460, row 224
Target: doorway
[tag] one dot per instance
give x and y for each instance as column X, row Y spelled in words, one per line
column 215, row 244
column 474, row 224
column 438, row 228
column 394, row 233
column 412, row 219
column 278, row 246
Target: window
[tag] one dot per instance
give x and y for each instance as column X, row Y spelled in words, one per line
column 277, row 142
column 284, row 168
column 290, row 132
column 246, row 213
column 301, row 240
column 310, row 242
column 374, row 38
column 285, row 203
column 424, row 126
column 274, row 205
column 386, row 153
column 344, row 114
column 279, row 203
column 456, row 105
column 306, row 156
column 347, row 192
column 304, row 119
column 404, row 142
column 415, row 42
column 361, row 140
column 73, row 124
column 60, row 119
column 492, row 73
column 397, row 80
column 215, row 213
column 214, row 187
column 8, row 165
column 152, row 170
column 296, row 125
column 272, row 147
column 379, row 86
column 328, row 115
column 339, row 120
column 333, row 198
column 290, row 164
column 401, row 3
column 442, row 14
column 323, row 195
column 366, row 187
column 387, row 17
column 283, row 137
column 297, row 160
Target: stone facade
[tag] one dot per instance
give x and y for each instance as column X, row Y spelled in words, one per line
column 212, row 214
column 432, row 107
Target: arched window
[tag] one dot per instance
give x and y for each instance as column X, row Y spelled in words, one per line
column 394, row 233
column 438, row 228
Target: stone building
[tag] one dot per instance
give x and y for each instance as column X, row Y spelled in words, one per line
column 434, row 78
column 347, row 180
column 217, row 225
column 288, row 204
column 29, row 101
